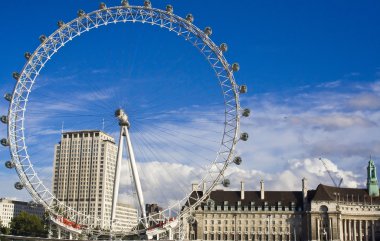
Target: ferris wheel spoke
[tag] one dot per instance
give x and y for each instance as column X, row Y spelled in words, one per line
column 166, row 141
column 151, row 149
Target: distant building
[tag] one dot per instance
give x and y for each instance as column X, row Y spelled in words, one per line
column 12, row 208
column 84, row 175
column 126, row 216
column 325, row 214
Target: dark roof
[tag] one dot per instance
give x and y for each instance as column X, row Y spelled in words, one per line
column 270, row 197
column 329, row 193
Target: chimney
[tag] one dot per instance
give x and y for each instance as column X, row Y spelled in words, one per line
column 262, row 190
column 194, row 187
column 304, row 187
column 242, row 190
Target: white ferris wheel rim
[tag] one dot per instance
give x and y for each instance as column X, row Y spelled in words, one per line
column 86, row 22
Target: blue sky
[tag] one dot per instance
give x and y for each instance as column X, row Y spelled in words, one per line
column 312, row 69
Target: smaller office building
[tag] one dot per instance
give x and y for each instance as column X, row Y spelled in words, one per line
column 12, row 208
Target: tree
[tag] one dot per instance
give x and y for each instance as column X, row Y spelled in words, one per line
column 3, row 229
column 28, row 225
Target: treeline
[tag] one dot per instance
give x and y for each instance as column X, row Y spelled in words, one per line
column 26, row 224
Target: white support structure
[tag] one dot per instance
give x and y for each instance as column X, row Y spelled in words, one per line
column 124, row 126
column 117, row 177
column 136, row 178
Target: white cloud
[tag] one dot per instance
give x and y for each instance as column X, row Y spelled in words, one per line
column 332, row 84
column 365, row 101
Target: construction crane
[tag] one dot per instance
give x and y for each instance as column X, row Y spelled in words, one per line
column 329, row 172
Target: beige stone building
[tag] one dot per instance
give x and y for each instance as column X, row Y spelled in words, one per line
column 342, row 214
column 324, row 214
column 248, row 215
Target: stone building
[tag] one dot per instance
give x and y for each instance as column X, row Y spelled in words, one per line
column 248, row 215
column 342, row 214
column 324, row 214
column 345, row 213
column 11, row 208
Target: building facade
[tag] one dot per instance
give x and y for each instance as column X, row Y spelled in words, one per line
column 248, row 215
column 343, row 214
column 12, row 208
column 126, row 216
column 84, row 175
column 324, row 214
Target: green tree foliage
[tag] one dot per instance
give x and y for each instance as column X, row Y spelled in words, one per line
column 28, row 225
column 3, row 229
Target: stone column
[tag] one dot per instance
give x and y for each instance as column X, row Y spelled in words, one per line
column 341, row 229
column 345, row 230
column 354, row 230
column 373, row 230
column 70, row 236
column 330, row 233
column 366, row 231
column 349, row 230
column 59, row 232
column 360, row 231
column 318, row 229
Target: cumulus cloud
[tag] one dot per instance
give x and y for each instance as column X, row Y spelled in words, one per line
column 365, row 101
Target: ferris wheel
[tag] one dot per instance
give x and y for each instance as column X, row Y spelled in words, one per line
column 214, row 172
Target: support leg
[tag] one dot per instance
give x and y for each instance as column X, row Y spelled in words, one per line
column 117, row 176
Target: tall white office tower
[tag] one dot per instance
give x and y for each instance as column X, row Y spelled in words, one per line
column 84, row 173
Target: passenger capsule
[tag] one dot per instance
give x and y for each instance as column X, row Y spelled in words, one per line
column 4, row 119
column 235, row 67
column 80, row 13
column 124, row 3
column 226, row 182
column 102, row 6
column 244, row 136
column 223, row 47
column 243, row 89
column 42, row 38
column 4, row 142
column 246, row 112
column 19, row 186
column 169, row 8
column 27, row 55
column 9, row 164
column 237, row 160
column 8, row 96
column 208, row 31
column 190, row 18
column 16, row 75
column 60, row 24
column 147, row 4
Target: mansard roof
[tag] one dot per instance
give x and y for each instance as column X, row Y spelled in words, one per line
column 271, row 198
column 343, row 194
